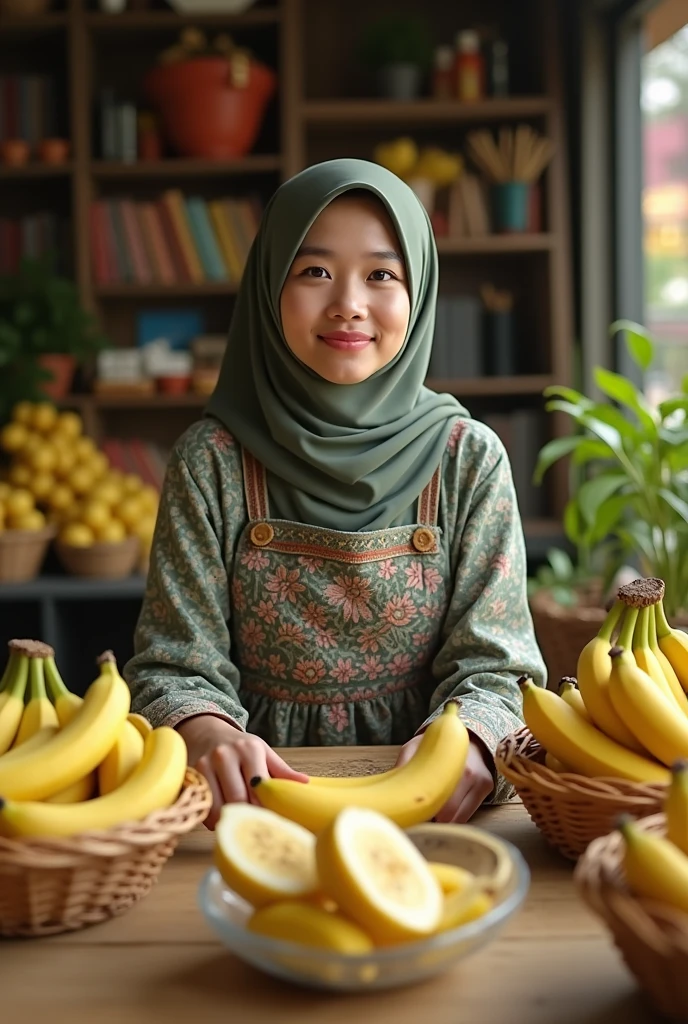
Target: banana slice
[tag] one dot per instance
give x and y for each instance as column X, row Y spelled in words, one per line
column 451, row 877
column 301, row 921
column 463, row 906
column 263, row 856
column 373, row 871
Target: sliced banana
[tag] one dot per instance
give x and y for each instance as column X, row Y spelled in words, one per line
column 303, row 922
column 264, row 857
column 450, row 877
column 378, row 877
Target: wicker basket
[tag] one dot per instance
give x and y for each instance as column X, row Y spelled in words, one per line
column 562, row 633
column 57, row 885
column 570, row 810
column 101, row 561
column 651, row 937
column 22, row 553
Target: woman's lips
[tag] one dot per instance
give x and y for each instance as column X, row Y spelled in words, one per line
column 348, row 340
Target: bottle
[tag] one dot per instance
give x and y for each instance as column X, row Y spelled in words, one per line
column 443, row 73
column 470, row 66
column 499, row 70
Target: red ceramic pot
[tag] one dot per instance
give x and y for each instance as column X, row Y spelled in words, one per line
column 203, row 113
column 62, row 367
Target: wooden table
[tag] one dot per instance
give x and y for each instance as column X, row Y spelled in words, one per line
column 161, row 962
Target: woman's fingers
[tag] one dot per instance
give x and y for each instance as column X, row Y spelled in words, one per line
column 205, row 768
column 227, row 768
column 279, row 769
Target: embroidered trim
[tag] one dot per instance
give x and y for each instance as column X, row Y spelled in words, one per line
column 349, row 557
column 255, row 487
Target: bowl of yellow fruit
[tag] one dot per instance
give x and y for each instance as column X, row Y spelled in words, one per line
column 364, row 904
column 24, row 535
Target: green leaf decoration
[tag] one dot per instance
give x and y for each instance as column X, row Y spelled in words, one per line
column 594, row 492
column 552, row 452
column 638, row 342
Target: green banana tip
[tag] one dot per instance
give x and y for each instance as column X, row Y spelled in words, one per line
column 624, row 822
column 679, row 767
column 615, row 652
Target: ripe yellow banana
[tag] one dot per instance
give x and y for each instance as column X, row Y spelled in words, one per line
column 413, row 795
column 655, row 868
column 676, row 806
column 13, row 708
column 154, row 784
column 119, row 763
column 593, row 673
column 568, row 691
column 37, row 740
column 562, row 732
column 644, row 655
column 66, row 703
column 654, row 718
column 140, row 723
column 666, row 666
column 82, row 789
column 674, row 645
column 554, row 764
column 74, row 751
column 39, row 712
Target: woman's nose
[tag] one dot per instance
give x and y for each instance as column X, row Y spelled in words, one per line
column 348, row 303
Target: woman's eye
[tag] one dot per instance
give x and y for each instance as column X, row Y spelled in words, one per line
column 382, row 275
column 318, row 272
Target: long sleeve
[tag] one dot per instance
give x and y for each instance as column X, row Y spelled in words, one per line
column 182, row 665
column 488, row 639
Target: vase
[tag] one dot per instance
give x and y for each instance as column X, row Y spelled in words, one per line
column 62, row 368
column 400, row 81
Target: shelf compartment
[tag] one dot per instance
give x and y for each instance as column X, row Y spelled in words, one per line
column 36, row 170
column 41, row 24
column 517, row 243
column 182, row 168
column 375, row 111
column 155, row 21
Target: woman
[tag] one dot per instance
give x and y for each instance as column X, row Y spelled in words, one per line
column 338, row 549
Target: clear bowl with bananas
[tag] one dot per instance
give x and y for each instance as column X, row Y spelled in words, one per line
column 498, row 875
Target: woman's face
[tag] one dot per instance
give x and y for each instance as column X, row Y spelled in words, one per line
column 345, row 303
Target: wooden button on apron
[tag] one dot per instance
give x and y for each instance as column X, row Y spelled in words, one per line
column 261, row 534
column 423, row 540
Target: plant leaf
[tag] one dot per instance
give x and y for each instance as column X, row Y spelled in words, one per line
column 609, row 514
column 568, row 394
column 617, row 387
column 593, row 492
column 553, row 451
column 590, row 449
column 673, row 500
column 610, row 435
column 669, row 406
column 572, row 522
column 638, row 342
column 557, row 405
column 561, row 565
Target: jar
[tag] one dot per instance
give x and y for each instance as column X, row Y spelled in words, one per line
column 470, row 67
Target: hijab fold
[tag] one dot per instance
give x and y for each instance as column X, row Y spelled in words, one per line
column 343, row 456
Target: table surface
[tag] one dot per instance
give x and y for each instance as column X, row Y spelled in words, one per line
column 160, row 961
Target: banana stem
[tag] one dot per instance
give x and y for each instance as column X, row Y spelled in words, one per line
column 652, row 625
column 17, row 686
column 609, row 624
column 627, row 627
column 10, row 669
column 663, row 627
column 56, row 684
column 36, row 679
column 641, row 634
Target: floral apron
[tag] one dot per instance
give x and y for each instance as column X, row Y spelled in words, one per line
column 334, row 633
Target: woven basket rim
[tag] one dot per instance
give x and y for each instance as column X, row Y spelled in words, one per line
column 101, row 547
column 189, row 810
column 517, row 756
column 10, row 537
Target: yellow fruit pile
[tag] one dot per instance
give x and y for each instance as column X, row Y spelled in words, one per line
column 629, row 716
column 360, row 884
column 69, row 764
column 58, row 474
column 408, row 794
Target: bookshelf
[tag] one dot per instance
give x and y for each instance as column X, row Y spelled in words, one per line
column 324, row 107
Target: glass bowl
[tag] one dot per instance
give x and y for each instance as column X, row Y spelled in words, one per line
column 389, row 967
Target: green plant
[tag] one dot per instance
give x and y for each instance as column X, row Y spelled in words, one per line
column 561, row 577
column 40, row 313
column 630, row 499
column 397, row 39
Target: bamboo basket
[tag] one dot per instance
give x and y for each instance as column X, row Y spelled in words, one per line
column 651, row 937
column 570, row 810
column 22, row 553
column 58, row 885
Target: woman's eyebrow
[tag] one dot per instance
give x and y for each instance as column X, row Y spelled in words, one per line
column 380, row 254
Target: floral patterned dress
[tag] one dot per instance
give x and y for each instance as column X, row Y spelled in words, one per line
column 309, row 636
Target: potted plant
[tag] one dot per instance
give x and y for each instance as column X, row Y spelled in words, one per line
column 45, row 333
column 628, row 507
column 398, row 48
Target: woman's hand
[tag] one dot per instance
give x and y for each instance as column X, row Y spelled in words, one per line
column 229, row 759
column 474, row 787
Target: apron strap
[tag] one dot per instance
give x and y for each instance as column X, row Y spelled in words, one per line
column 255, row 487
column 429, row 500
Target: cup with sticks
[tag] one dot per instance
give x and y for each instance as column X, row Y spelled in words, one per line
column 512, row 164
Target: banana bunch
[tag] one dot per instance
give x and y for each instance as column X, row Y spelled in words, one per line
column 657, row 866
column 69, row 764
column 627, row 717
column 360, row 884
column 408, row 794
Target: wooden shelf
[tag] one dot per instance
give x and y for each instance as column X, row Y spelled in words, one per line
column 487, row 387
column 155, row 400
column 155, row 21
column 152, row 291
column 541, row 242
column 40, row 24
column 181, row 168
column 376, row 111
column 36, row 170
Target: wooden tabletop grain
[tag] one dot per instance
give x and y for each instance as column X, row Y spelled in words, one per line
column 552, row 964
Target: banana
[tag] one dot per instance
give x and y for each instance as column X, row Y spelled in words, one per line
column 568, row 691
column 37, row 740
column 347, row 781
column 140, row 723
column 644, row 655
column 154, row 784
column 676, row 806
column 296, row 920
column 13, row 708
column 655, row 868
column 593, row 673
column 554, row 764
column 667, row 667
column 673, row 643
column 7, row 675
column 562, row 732
column 82, row 789
column 119, row 763
column 39, row 712
column 75, row 750
column 653, row 717
column 411, row 796
column 67, row 704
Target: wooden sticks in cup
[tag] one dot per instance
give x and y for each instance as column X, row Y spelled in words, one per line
column 519, row 155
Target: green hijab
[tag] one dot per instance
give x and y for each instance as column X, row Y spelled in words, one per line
column 343, row 456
